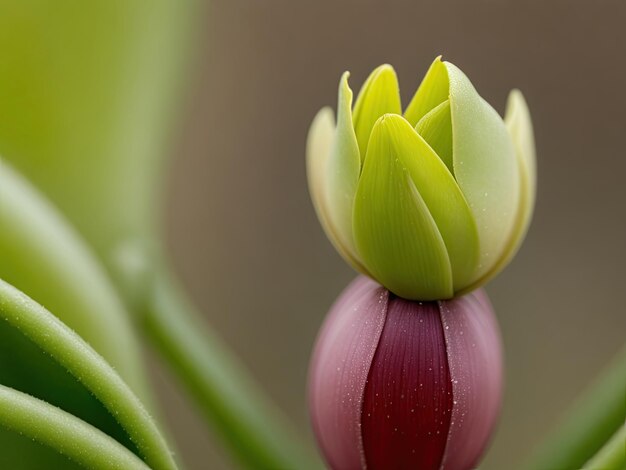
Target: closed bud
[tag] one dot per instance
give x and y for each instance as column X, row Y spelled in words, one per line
column 395, row 383
column 431, row 201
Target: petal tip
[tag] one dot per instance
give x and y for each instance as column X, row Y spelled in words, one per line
column 384, row 69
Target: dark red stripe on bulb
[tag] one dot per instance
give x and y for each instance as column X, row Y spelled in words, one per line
column 408, row 397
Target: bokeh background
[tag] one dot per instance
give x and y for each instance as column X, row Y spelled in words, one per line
column 239, row 223
column 84, row 87
column 246, row 241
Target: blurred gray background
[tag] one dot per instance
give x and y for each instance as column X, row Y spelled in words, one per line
column 246, row 241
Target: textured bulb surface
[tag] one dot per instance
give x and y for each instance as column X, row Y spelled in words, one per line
column 402, row 384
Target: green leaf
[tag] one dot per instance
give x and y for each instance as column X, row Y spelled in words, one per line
column 436, row 129
column 252, row 427
column 485, row 167
column 88, row 95
column 380, row 94
column 42, row 256
column 395, row 233
column 42, row 357
column 432, row 91
column 596, row 415
column 16, row 446
column 612, row 456
column 68, row 435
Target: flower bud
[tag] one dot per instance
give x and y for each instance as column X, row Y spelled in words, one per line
column 432, row 202
column 395, row 383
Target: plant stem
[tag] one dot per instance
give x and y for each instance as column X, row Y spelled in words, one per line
column 247, row 422
column 613, row 455
column 596, row 417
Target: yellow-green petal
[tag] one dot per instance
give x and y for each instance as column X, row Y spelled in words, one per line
column 319, row 147
column 334, row 172
column 442, row 196
column 519, row 125
column 395, row 233
column 380, row 94
column 436, row 129
column 432, row 91
column 485, row 167
column 344, row 166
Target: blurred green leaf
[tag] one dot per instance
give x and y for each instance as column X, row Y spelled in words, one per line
column 52, row 363
column 250, row 425
column 43, row 256
column 15, row 446
column 594, row 418
column 612, row 456
column 88, row 92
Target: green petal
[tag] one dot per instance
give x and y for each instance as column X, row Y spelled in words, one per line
column 318, row 147
column 485, row 167
column 342, row 175
column 436, row 129
column 442, row 197
column 395, row 232
column 432, row 91
column 519, row 125
column 333, row 167
column 380, row 94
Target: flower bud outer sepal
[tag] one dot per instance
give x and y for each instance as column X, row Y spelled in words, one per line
column 402, row 384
